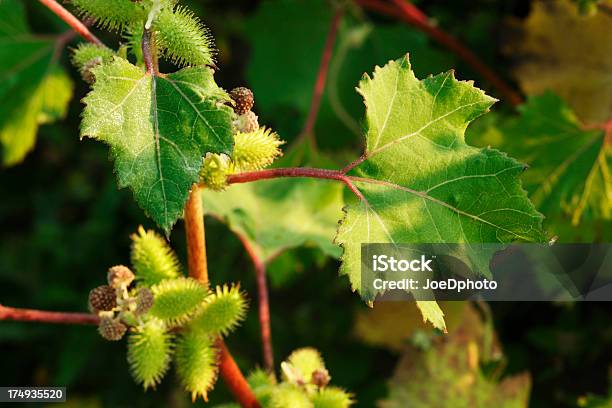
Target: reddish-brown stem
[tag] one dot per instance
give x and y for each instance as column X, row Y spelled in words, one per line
column 196, row 238
column 230, row 372
column 72, row 21
column 303, row 172
column 264, row 304
column 149, row 52
column 417, row 18
column 43, row 316
column 319, row 86
column 198, row 269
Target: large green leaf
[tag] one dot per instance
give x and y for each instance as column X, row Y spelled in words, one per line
column 158, row 128
column 33, row 88
column 569, row 174
column 421, row 182
column 275, row 215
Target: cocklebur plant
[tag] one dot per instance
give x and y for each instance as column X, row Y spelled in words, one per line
column 166, row 316
column 415, row 161
column 179, row 138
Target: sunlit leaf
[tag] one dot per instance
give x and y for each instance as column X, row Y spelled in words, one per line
column 421, row 182
column 158, row 128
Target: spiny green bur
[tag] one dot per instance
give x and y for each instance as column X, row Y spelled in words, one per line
column 289, row 395
column 87, row 52
column 221, row 311
column 331, row 397
column 152, row 258
column 255, row 150
column 149, row 352
column 182, row 38
column 301, row 364
column 196, row 363
column 112, row 15
column 177, row 299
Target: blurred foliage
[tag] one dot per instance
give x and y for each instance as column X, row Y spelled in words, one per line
column 64, row 221
column 566, row 51
column 448, row 373
column 34, row 90
column 569, row 177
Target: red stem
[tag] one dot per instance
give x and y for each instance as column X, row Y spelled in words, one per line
column 72, row 21
column 414, row 16
column 264, row 304
column 319, row 86
column 302, row 172
column 196, row 236
column 32, row 315
column 233, row 378
column 198, row 269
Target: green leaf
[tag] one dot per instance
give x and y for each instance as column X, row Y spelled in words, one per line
column 421, row 182
column 276, row 215
column 177, row 299
column 221, row 311
column 158, row 128
column 569, row 167
column 12, row 18
column 196, row 363
column 149, row 352
column 34, row 90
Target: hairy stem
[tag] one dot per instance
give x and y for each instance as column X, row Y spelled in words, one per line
column 72, row 21
column 43, row 316
column 319, row 86
column 149, row 54
column 196, row 236
column 302, row 172
column 198, row 269
column 230, row 372
column 417, row 18
column 263, row 304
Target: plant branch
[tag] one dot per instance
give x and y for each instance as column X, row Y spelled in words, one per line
column 301, row 172
column 232, row 376
column 72, row 21
column 196, row 236
column 319, row 86
column 198, row 269
column 32, row 315
column 264, row 304
column 148, row 52
column 417, row 18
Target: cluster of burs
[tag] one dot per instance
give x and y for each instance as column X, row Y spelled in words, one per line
column 166, row 315
column 179, row 37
